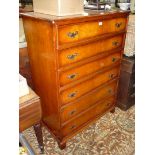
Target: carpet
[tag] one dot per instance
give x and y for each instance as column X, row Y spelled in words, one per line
column 112, row 134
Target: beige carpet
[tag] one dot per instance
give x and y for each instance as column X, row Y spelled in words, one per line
column 113, row 134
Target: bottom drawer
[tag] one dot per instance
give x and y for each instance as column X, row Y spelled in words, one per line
column 93, row 112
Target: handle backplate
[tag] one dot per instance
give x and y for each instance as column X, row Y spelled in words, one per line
column 72, row 34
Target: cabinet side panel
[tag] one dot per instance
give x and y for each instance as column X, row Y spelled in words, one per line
column 43, row 65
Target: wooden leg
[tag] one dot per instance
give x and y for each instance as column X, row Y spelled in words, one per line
column 113, row 110
column 62, row 145
column 38, row 132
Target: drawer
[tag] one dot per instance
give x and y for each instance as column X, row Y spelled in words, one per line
column 70, row 110
column 81, row 31
column 86, row 86
column 78, row 53
column 79, row 72
column 86, row 117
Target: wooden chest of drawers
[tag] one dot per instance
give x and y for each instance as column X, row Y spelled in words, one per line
column 75, row 64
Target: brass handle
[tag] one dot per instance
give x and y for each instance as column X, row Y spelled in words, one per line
column 72, row 112
column 72, row 76
column 72, row 95
column 118, row 25
column 111, row 75
column 72, row 34
column 110, row 91
column 113, row 59
column 73, row 126
column 115, row 43
column 72, row 56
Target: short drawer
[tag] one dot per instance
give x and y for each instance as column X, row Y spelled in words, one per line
column 79, row 72
column 86, row 117
column 81, row 31
column 86, row 86
column 78, row 53
column 85, row 102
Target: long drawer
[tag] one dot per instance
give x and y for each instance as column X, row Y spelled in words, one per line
column 79, row 72
column 82, row 88
column 85, row 102
column 80, row 31
column 93, row 112
column 78, row 53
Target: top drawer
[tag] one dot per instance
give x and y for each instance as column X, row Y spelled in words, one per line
column 80, row 31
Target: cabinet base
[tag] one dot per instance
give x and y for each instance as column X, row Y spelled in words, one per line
column 62, row 145
column 113, row 110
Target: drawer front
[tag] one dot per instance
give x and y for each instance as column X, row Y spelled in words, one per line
column 78, row 53
column 81, row 31
column 77, row 73
column 100, row 108
column 71, row 110
column 82, row 88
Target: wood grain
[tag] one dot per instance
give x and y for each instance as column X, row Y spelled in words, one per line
column 82, row 52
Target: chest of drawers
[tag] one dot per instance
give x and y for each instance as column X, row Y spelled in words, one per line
column 75, row 64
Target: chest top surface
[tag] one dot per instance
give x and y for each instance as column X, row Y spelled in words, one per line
column 87, row 15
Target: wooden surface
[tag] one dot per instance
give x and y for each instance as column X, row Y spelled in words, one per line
column 78, row 90
column 126, row 89
column 72, row 109
column 73, row 59
column 29, row 110
column 82, row 52
column 30, row 114
column 84, row 70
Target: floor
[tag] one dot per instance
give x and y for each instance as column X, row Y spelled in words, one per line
column 112, row 134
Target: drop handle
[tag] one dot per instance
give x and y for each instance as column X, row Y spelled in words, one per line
column 73, row 127
column 72, row 56
column 72, row 95
column 113, row 59
column 72, row 34
column 118, row 25
column 72, row 76
column 72, row 112
column 115, row 43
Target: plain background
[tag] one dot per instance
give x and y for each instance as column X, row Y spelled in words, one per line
column 145, row 77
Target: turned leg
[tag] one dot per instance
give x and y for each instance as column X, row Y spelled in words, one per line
column 62, row 145
column 38, row 132
column 113, row 110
